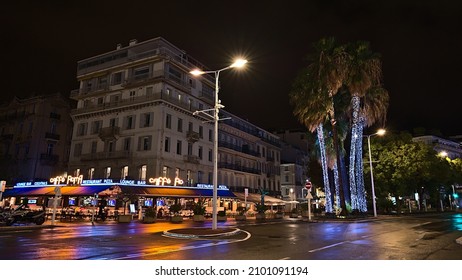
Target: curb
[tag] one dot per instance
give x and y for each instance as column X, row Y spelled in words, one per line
column 194, row 236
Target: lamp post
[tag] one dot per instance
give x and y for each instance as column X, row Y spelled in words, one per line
column 216, row 109
column 380, row 132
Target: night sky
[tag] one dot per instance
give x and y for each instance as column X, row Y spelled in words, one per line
column 420, row 43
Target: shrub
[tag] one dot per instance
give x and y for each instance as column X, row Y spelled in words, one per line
column 199, row 208
column 150, row 212
column 260, row 208
column 221, row 213
column 175, row 209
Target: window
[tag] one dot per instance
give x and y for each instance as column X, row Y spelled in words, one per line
column 96, row 127
column 142, row 172
column 144, row 143
column 52, row 128
column 94, row 146
column 200, row 152
column 189, row 177
column 78, row 149
column 50, row 147
column 102, row 82
column 177, row 173
column 107, row 172
column 100, row 101
column 127, row 142
column 168, row 121
column 178, row 147
column 117, row 78
column 113, row 122
column 190, row 148
column 199, row 176
column 124, row 172
column 210, row 135
column 129, row 122
column 180, row 125
column 210, row 154
column 141, row 73
column 167, row 144
column 81, row 129
column 165, row 171
column 91, row 172
column 149, row 91
column 110, row 146
column 190, row 127
column 201, row 132
column 147, row 119
column 132, row 95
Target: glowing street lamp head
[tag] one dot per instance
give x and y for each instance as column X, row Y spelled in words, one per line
column 381, row 132
column 443, row 154
column 197, row 72
column 238, row 63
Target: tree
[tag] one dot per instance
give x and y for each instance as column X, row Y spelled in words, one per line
column 364, row 74
column 314, row 90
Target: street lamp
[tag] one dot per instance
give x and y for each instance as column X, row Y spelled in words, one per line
column 380, row 132
column 237, row 64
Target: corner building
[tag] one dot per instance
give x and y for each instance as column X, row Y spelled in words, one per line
column 134, row 120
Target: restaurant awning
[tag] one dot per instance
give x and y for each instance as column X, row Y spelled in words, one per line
column 256, row 198
column 50, row 190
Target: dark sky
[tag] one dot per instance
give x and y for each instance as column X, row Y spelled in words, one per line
column 420, row 43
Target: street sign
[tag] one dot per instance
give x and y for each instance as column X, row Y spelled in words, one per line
column 309, row 196
column 308, row 185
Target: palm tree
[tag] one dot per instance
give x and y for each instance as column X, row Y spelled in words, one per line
column 364, row 72
column 315, row 89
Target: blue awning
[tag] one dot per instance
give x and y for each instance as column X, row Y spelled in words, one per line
column 50, row 190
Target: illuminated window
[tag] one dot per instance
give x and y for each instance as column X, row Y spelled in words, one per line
column 143, row 171
column 91, row 173
column 107, row 172
column 124, row 172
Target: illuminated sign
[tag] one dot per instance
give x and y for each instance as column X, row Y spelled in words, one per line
column 69, row 180
column 162, row 181
column 208, row 186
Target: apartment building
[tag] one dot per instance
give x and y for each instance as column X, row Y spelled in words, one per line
column 135, row 119
column 35, row 137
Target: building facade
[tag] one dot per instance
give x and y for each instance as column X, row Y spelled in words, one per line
column 451, row 149
column 135, row 118
column 35, row 135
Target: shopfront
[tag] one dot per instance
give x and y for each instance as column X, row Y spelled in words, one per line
column 79, row 198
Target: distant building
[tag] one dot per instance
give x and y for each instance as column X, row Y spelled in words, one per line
column 35, row 138
column 452, row 149
column 294, row 164
column 134, row 119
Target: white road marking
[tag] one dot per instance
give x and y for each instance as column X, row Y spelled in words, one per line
column 329, row 246
column 210, row 244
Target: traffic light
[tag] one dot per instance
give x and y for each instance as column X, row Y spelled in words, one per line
column 455, row 195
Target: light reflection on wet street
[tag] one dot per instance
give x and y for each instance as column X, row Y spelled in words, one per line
column 392, row 238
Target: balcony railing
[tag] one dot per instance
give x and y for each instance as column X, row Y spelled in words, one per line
column 238, row 167
column 191, row 159
column 109, row 133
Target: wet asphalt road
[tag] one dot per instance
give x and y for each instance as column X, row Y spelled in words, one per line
column 418, row 237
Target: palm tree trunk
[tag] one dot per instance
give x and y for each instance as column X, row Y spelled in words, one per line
column 325, row 173
column 355, row 102
column 361, row 190
column 337, row 152
column 337, row 186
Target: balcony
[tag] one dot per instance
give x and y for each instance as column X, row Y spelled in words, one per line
column 191, row 159
column 109, row 133
column 192, row 136
column 52, row 136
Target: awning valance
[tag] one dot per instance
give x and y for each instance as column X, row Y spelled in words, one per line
column 50, row 190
